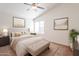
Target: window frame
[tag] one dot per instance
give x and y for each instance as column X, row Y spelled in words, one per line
column 39, row 32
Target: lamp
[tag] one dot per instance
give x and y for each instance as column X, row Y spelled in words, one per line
column 5, row 32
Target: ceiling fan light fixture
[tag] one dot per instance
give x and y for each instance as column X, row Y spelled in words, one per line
column 34, row 7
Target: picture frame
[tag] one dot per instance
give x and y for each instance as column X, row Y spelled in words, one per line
column 18, row 22
column 61, row 23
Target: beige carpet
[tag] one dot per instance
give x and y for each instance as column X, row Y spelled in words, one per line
column 54, row 50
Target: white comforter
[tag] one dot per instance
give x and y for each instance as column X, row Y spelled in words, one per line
column 15, row 40
column 19, row 44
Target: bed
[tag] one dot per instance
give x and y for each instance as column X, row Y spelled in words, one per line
column 21, row 44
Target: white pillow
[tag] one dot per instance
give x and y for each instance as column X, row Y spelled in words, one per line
column 15, row 34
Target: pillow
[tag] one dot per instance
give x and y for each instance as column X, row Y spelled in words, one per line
column 16, row 34
column 23, row 33
column 33, row 33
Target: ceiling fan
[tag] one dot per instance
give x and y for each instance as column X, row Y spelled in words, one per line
column 34, row 5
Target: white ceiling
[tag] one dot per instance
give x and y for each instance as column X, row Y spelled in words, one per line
column 22, row 9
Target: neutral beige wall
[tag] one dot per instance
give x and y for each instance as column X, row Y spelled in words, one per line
column 6, row 21
column 64, row 10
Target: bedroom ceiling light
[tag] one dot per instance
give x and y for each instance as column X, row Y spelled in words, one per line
column 34, row 6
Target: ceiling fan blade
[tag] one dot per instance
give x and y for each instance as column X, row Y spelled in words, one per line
column 28, row 4
column 34, row 5
column 40, row 7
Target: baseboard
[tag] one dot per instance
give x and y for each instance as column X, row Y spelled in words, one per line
column 60, row 44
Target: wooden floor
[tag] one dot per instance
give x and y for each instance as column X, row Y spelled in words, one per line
column 54, row 50
column 57, row 50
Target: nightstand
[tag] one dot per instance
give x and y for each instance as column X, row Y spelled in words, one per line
column 4, row 40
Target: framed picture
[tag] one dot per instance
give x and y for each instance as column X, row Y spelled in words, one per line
column 61, row 23
column 18, row 22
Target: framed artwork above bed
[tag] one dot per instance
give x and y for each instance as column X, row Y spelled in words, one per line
column 61, row 23
column 18, row 22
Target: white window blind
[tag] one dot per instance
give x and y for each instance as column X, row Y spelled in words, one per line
column 39, row 27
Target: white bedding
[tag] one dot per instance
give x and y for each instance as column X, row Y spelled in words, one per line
column 14, row 40
column 21, row 47
column 19, row 44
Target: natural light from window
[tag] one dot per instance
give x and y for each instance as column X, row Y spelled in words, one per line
column 39, row 27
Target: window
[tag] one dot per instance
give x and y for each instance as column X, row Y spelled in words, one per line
column 39, row 27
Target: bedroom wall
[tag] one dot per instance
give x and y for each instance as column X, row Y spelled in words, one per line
column 6, row 21
column 63, row 10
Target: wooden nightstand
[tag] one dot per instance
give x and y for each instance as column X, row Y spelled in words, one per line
column 4, row 40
